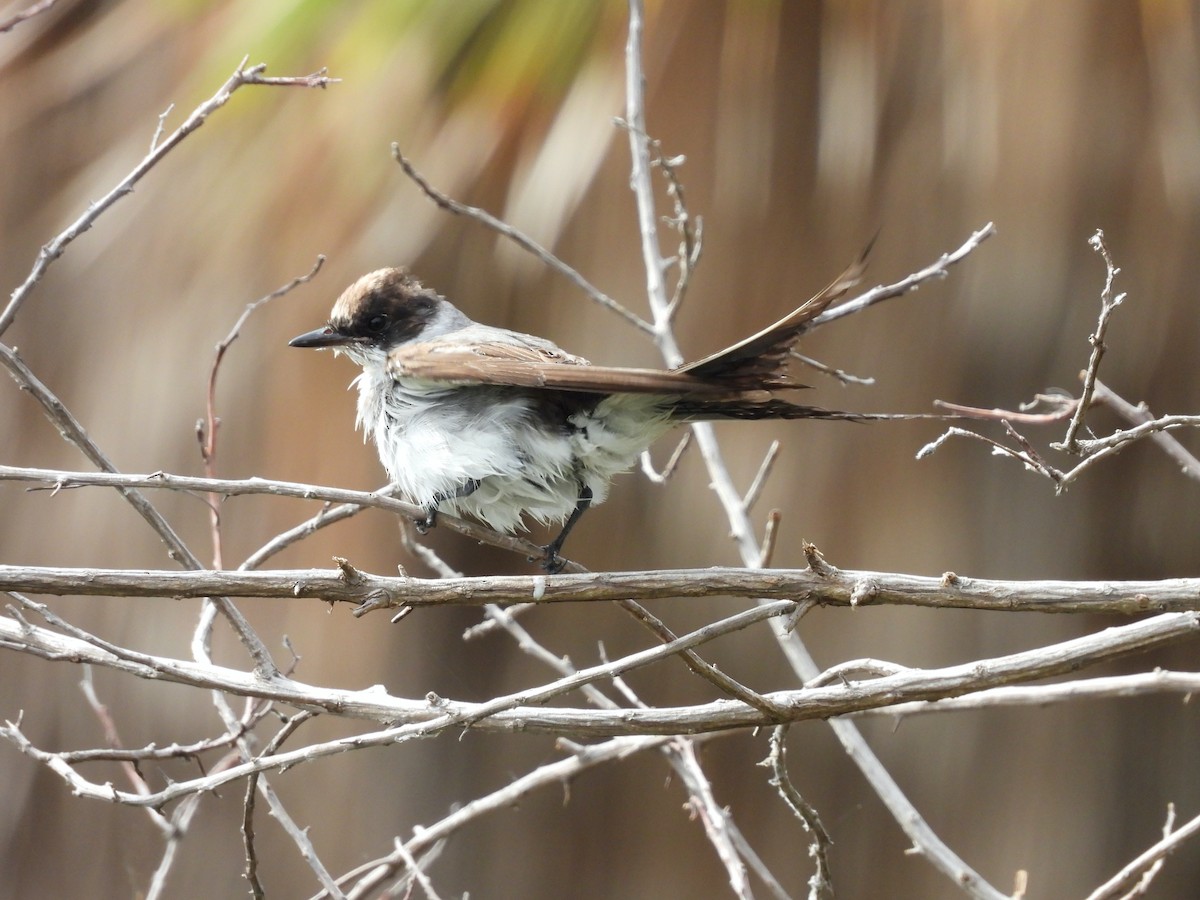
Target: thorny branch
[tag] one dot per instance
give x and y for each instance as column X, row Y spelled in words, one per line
column 821, row 883
column 1094, row 392
column 241, row 77
column 751, row 550
column 862, row 687
column 830, row 587
column 207, row 427
column 432, row 715
column 74, row 432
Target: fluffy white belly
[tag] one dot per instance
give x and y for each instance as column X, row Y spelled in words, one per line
column 434, row 441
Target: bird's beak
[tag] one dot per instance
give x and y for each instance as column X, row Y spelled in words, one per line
column 328, row 336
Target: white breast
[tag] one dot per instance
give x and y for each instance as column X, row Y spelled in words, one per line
column 432, row 440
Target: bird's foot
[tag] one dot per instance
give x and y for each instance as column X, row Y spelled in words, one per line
column 550, row 562
column 430, row 520
column 470, row 486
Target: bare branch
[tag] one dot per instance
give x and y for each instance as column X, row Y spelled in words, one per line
column 432, row 715
column 938, row 269
column 672, row 462
column 835, row 587
column 839, row 374
column 1141, row 869
column 760, row 477
column 69, row 427
column 377, row 872
column 1108, row 303
column 742, row 530
column 54, row 249
column 28, row 13
column 821, row 884
column 1104, row 688
column 211, row 423
column 381, row 499
column 519, row 238
column 718, row 824
column 252, row 783
column 1140, row 415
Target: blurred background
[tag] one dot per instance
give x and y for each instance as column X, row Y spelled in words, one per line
column 807, row 126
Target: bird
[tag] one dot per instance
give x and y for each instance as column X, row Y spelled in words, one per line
column 503, row 426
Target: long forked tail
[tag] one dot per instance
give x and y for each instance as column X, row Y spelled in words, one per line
column 748, row 406
column 760, row 361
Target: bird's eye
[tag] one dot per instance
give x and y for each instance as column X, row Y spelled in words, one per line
column 376, row 324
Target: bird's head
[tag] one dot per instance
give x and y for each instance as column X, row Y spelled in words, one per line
column 376, row 314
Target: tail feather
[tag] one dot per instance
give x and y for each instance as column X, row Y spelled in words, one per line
column 698, row 410
column 760, row 361
column 758, row 405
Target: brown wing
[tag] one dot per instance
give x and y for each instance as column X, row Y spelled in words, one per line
column 525, row 366
column 757, row 363
column 761, row 360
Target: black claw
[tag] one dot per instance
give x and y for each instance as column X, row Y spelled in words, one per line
column 465, row 490
column 430, row 521
column 550, row 561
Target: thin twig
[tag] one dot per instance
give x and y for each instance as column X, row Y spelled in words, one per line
column 716, row 821
column 1140, row 415
column 71, row 430
column 241, row 77
column 760, row 477
column 28, row 13
column 1140, row 868
column 111, row 735
column 374, row 874
column 211, row 423
column 382, row 498
column 1108, row 303
column 288, row 729
column 328, row 515
column 821, row 884
column 938, row 269
column 672, row 462
column 701, row 667
column 520, row 239
column 1063, row 408
column 840, row 374
column 416, row 870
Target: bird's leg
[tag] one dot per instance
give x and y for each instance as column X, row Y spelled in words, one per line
column 470, row 486
column 551, row 561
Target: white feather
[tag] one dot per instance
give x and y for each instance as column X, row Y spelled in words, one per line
column 431, row 448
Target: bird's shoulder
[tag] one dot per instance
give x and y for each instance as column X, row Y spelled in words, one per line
column 466, row 352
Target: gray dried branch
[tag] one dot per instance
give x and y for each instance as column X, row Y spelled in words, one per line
column 938, row 269
column 519, row 238
column 207, row 431
column 1108, row 304
column 376, row 873
column 381, row 499
column 741, row 528
column 72, row 431
column 1140, row 415
column 820, row 886
column 24, row 15
column 432, row 715
column 835, row 587
column 1136, row 874
column 241, row 77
